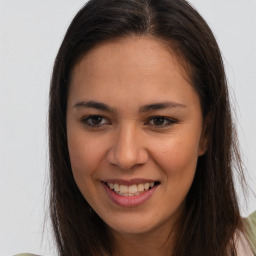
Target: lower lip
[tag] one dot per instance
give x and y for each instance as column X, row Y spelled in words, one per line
column 129, row 201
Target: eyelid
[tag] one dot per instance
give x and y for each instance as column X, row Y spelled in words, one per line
column 171, row 121
column 85, row 121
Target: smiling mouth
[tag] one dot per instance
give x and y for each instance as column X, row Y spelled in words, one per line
column 131, row 190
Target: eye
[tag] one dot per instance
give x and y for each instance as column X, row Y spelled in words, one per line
column 95, row 121
column 160, row 121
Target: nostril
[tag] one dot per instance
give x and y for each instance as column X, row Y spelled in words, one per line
column 127, row 154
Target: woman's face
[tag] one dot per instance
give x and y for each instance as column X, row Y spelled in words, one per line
column 134, row 128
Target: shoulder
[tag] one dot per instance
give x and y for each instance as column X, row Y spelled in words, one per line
column 250, row 225
column 252, row 220
column 25, row 254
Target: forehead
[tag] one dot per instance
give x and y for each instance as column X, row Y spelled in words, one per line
column 145, row 52
column 140, row 67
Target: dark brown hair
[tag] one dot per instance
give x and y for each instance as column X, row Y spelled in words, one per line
column 212, row 214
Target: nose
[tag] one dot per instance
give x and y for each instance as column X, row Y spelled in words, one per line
column 127, row 149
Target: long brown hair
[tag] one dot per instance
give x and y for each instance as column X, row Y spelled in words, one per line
column 212, row 214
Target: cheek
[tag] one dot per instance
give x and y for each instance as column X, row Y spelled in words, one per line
column 85, row 158
column 84, row 155
column 178, row 157
column 79, row 157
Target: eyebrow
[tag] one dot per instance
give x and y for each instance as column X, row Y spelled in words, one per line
column 104, row 107
column 94, row 104
column 161, row 105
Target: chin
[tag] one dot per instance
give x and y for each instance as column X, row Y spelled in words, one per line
column 139, row 224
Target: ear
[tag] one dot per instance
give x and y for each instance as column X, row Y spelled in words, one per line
column 205, row 135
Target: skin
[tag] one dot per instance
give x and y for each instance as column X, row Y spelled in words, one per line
column 127, row 74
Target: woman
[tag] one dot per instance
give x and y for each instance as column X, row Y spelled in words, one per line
column 142, row 144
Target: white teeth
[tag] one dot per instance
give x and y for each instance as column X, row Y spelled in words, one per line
column 140, row 187
column 123, row 189
column 116, row 187
column 131, row 190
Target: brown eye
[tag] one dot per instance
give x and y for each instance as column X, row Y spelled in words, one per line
column 160, row 121
column 95, row 121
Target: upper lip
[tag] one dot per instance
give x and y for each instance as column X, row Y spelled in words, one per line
column 129, row 182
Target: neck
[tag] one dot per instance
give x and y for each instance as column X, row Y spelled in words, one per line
column 156, row 242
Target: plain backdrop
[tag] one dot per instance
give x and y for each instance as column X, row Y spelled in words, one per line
column 30, row 34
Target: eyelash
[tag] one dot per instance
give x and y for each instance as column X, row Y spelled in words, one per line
column 167, row 121
column 88, row 121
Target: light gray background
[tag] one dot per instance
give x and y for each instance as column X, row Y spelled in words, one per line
column 30, row 34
